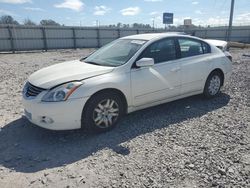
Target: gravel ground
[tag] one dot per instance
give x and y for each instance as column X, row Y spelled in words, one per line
column 191, row 142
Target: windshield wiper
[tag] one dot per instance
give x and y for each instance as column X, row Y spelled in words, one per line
column 104, row 64
column 92, row 62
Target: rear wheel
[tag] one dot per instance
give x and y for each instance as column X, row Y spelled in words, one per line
column 102, row 112
column 213, row 85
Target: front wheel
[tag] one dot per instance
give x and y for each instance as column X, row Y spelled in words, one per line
column 102, row 112
column 213, row 85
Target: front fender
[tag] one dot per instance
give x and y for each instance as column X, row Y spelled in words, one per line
column 119, row 81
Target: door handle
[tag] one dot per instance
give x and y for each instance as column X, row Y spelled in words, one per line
column 176, row 69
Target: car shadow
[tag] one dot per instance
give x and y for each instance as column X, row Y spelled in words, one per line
column 28, row 148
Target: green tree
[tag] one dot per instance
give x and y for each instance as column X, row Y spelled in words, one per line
column 119, row 25
column 7, row 19
column 49, row 22
column 28, row 22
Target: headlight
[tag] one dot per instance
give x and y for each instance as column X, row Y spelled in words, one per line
column 61, row 93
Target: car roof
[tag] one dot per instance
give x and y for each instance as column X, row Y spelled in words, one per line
column 151, row 36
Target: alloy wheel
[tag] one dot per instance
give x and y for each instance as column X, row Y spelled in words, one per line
column 106, row 112
column 214, row 85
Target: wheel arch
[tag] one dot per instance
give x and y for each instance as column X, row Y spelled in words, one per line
column 109, row 90
column 220, row 71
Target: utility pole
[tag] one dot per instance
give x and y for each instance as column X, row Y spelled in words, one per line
column 230, row 21
column 97, row 23
column 153, row 20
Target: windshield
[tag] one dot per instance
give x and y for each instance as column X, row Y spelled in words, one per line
column 115, row 53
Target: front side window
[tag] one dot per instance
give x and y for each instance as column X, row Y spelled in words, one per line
column 160, row 51
column 115, row 53
column 189, row 47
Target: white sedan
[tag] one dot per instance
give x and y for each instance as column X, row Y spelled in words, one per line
column 128, row 74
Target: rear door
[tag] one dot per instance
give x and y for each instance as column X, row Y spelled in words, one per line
column 194, row 62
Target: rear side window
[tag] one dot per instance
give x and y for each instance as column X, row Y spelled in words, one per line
column 161, row 51
column 206, row 48
column 189, row 47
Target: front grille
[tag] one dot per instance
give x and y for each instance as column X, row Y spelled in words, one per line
column 33, row 91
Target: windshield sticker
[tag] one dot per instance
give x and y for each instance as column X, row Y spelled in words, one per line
column 138, row 42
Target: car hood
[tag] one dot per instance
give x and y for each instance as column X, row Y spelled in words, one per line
column 65, row 72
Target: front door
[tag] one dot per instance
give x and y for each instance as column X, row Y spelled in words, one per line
column 160, row 81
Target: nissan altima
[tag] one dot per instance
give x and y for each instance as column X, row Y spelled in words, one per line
column 128, row 74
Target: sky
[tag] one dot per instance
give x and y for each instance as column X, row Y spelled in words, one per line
column 87, row 12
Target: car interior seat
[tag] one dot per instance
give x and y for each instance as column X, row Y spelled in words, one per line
column 194, row 50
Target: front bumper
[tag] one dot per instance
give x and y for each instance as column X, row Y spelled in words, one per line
column 65, row 115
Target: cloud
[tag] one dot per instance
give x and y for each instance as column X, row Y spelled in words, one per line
column 101, row 10
column 34, row 9
column 195, row 3
column 157, row 18
column 153, row 0
column 15, row 1
column 224, row 12
column 154, row 13
column 6, row 12
column 198, row 12
column 242, row 18
column 178, row 21
column 75, row 5
column 212, row 21
column 216, row 21
column 130, row 11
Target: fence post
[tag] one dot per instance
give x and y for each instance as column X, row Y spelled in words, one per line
column 11, row 39
column 98, row 38
column 119, row 33
column 226, row 34
column 205, row 33
column 248, row 37
column 74, row 37
column 44, row 39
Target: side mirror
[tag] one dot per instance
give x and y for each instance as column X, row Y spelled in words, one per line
column 145, row 62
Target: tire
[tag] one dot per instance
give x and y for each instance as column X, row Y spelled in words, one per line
column 98, row 116
column 213, row 85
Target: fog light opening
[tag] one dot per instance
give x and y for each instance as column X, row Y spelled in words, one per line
column 46, row 120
